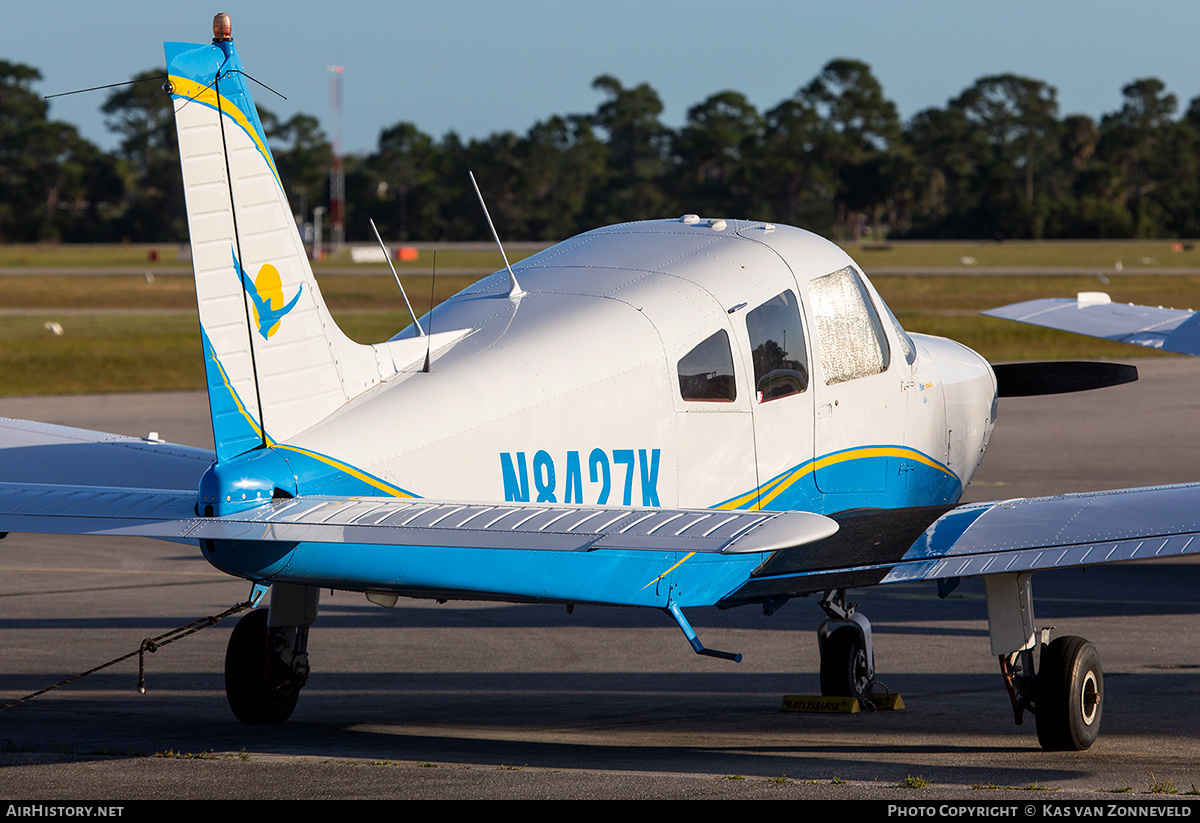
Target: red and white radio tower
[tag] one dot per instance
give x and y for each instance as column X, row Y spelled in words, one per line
column 337, row 169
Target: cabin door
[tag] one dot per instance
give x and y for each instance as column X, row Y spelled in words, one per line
column 781, row 401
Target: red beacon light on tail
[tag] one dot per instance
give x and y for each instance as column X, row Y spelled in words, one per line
column 222, row 28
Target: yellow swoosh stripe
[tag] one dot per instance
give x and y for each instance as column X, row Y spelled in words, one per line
column 751, row 495
column 668, row 571
column 208, row 96
column 776, row 487
column 780, row 484
column 329, row 461
column 238, row 402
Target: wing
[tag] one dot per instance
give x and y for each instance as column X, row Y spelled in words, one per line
column 60, row 480
column 1095, row 315
column 878, row 547
column 171, row 515
column 40, row 456
column 140, row 488
column 40, row 453
column 133, row 487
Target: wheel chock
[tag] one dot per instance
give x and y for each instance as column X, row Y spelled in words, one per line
column 838, row 705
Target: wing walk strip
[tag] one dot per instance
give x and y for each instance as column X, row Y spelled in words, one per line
column 389, row 521
column 764, row 495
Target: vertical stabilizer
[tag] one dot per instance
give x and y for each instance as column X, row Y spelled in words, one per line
column 276, row 362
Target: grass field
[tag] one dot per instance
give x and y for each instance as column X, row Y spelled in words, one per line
column 167, row 257
column 1076, row 254
column 1072, row 254
column 133, row 332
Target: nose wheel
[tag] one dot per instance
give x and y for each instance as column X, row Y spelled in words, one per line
column 847, row 660
column 845, row 671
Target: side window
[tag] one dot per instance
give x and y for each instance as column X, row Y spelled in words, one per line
column 906, row 342
column 850, row 337
column 706, row 372
column 777, row 347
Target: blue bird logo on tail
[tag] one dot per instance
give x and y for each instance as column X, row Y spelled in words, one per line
column 267, row 293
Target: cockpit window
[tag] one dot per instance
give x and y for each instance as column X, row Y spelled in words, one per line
column 850, row 336
column 777, row 347
column 706, row 372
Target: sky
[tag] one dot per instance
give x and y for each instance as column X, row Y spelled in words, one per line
column 479, row 67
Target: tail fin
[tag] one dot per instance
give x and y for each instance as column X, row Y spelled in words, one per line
column 275, row 360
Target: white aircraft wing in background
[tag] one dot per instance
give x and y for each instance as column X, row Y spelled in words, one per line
column 1095, row 315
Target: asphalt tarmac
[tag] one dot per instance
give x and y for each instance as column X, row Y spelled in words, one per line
column 500, row 701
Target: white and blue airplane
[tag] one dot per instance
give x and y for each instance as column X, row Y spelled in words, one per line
column 668, row 414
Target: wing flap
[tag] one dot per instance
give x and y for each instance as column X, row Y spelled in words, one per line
column 100, row 510
column 390, row 521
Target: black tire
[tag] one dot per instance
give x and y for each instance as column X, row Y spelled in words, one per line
column 1070, row 695
column 256, row 695
column 844, row 665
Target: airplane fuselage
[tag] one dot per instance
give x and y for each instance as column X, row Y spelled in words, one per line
column 687, row 363
column 575, row 392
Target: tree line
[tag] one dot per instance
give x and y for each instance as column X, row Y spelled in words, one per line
column 998, row 161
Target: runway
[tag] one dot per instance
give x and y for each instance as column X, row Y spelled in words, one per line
column 499, row 701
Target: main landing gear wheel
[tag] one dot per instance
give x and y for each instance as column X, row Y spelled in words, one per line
column 260, row 687
column 1070, row 695
column 845, row 671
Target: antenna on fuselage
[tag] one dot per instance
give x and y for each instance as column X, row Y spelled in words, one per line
column 432, row 294
column 514, row 288
column 403, row 293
